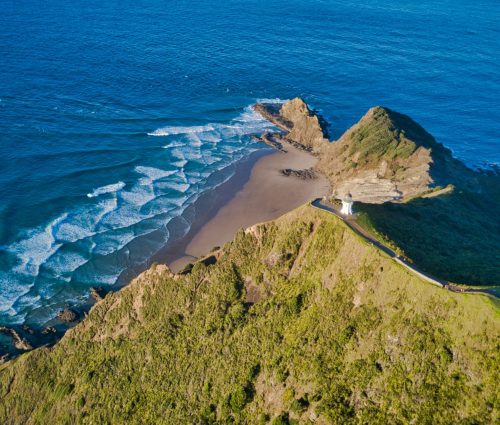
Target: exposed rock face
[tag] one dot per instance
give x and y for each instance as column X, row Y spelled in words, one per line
column 67, row 315
column 386, row 156
column 307, row 129
column 19, row 342
column 303, row 127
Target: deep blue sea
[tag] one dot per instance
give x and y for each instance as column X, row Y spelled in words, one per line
column 115, row 116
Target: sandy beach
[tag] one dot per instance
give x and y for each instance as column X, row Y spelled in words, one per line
column 257, row 192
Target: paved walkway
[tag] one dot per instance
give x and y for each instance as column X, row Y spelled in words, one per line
column 351, row 222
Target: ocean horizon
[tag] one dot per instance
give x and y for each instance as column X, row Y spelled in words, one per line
column 115, row 118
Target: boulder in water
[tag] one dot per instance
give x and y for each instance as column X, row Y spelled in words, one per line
column 67, row 315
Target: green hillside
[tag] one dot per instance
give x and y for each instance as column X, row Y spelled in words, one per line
column 299, row 321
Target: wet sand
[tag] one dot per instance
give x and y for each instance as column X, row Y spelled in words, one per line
column 257, row 192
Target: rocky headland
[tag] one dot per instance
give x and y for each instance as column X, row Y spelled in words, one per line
column 297, row 319
column 408, row 188
column 386, row 156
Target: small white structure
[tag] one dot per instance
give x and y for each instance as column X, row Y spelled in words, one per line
column 346, row 205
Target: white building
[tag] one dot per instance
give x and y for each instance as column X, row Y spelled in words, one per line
column 346, row 205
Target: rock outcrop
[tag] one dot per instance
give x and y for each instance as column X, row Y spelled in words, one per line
column 19, row 342
column 49, row 330
column 307, row 130
column 302, row 127
column 67, row 315
column 97, row 293
column 271, row 139
column 307, row 174
column 385, row 157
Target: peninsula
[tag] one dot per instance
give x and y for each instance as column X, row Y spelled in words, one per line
column 294, row 317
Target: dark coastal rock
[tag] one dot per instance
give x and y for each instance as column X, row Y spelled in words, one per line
column 28, row 330
column 210, row 260
column 67, row 315
column 307, row 174
column 19, row 342
column 186, row 269
column 98, row 293
column 271, row 139
column 271, row 112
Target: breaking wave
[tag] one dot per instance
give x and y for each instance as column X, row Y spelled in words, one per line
column 118, row 226
column 106, row 189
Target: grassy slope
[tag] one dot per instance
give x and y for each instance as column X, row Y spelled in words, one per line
column 381, row 137
column 382, row 134
column 455, row 236
column 341, row 333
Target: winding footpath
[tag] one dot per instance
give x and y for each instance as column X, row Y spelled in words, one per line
column 354, row 226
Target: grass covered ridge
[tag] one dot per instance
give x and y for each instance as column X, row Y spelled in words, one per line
column 300, row 319
column 389, row 135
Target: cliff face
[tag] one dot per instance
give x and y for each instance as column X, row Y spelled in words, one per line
column 386, row 156
column 307, row 129
column 299, row 319
column 300, row 124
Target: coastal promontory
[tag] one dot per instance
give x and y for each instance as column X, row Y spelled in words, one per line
column 298, row 319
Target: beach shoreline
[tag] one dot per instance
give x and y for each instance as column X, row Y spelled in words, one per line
column 257, row 192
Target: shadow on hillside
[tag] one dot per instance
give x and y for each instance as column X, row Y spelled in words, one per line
column 455, row 237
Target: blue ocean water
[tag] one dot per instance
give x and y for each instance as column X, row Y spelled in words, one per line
column 116, row 116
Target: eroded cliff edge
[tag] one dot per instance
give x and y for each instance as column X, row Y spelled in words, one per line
column 386, row 156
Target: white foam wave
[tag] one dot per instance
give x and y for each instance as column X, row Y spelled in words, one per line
column 139, row 195
column 83, row 223
column 170, row 131
column 36, row 247
column 180, row 163
column 112, row 242
column 110, row 188
column 126, row 216
column 246, row 123
column 271, row 100
column 12, row 290
column 65, row 262
column 152, row 173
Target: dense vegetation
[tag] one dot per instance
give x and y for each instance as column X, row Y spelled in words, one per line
column 388, row 135
column 300, row 320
